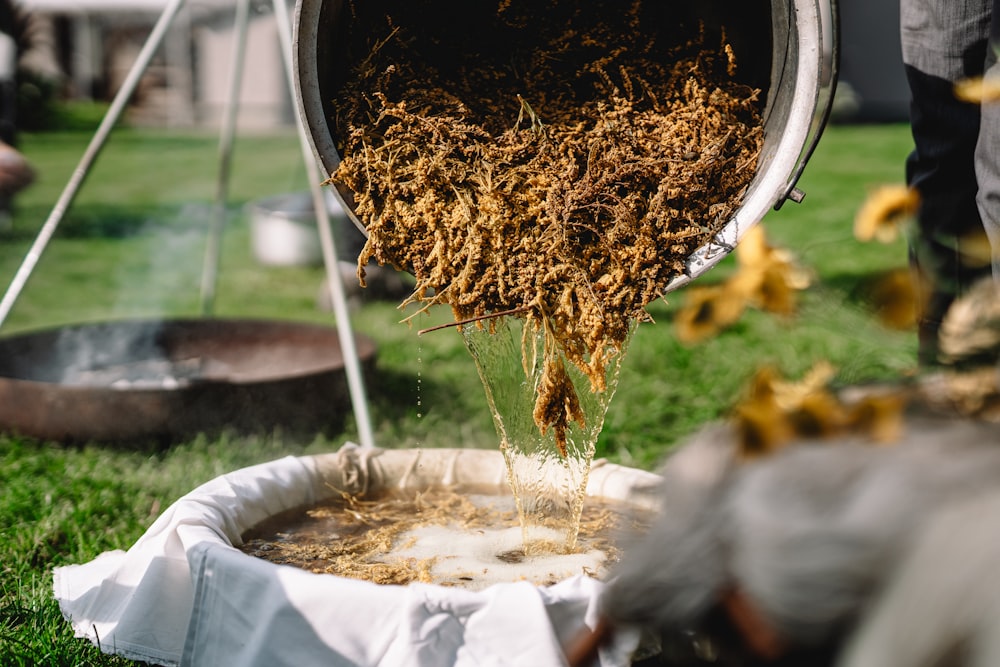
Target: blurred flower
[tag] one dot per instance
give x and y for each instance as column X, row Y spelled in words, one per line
column 766, row 277
column 759, row 419
column 978, row 90
column 970, row 331
column 753, row 250
column 759, row 432
column 778, row 287
column 895, row 296
column 706, row 312
column 970, row 391
column 886, row 208
column 880, row 416
column 817, row 414
column 776, row 412
column 789, row 394
column 900, row 295
column 974, row 249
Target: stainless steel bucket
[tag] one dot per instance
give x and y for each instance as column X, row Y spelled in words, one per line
column 788, row 47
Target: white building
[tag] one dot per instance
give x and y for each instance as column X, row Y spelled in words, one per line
column 95, row 43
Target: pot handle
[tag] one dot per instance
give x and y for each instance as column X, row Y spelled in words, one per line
column 830, row 24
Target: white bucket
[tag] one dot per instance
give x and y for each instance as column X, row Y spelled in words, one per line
column 283, row 231
column 184, row 594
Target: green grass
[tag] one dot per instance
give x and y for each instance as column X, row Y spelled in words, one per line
column 132, row 244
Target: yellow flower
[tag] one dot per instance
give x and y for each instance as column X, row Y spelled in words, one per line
column 978, row 90
column 790, row 394
column 761, row 430
column 885, row 209
column 777, row 292
column 896, row 298
column 707, row 312
column 818, row 414
column 775, row 412
column 880, row 417
column 974, row 249
column 753, row 249
column 767, row 276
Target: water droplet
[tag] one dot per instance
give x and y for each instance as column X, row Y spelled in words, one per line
column 420, row 371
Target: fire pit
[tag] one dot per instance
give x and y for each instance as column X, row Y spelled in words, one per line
column 136, row 381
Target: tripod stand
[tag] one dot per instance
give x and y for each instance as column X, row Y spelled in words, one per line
column 352, row 363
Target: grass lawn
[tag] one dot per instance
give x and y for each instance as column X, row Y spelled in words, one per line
column 132, row 244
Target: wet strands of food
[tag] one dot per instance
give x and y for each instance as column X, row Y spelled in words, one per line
column 359, row 538
column 511, row 190
column 347, row 536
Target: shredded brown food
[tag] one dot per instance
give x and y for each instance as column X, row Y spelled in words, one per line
column 566, row 174
column 351, row 537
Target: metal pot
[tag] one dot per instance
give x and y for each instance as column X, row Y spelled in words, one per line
column 788, row 48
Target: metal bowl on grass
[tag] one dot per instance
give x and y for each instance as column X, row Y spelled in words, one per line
column 163, row 381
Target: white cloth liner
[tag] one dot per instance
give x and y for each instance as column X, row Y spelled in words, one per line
column 184, row 595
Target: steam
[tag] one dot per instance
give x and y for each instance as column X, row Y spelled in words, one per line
column 160, row 276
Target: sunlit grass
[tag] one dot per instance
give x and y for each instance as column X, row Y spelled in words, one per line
column 132, row 245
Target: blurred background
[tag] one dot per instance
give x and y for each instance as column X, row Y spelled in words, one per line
column 80, row 50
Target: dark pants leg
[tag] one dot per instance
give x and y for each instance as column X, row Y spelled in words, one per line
column 944, row 41
column 942, row 169
column 988, row 149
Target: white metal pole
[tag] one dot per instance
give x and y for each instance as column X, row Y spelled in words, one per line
column 180, row 107
column 90, row 155
column 352, row 364
column 213, row 246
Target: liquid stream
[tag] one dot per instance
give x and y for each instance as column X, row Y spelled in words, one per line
column 549, row 488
